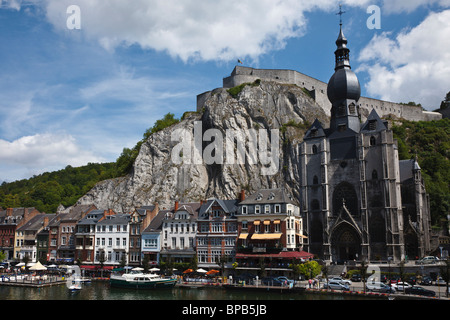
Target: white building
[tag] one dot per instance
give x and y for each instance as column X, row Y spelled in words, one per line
column 112, row 239
column 179, row 230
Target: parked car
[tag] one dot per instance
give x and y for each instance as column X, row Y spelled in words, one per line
column 346, row 281
column 379, row 287
column 440, row 282
column 420, row 291
column 400, row 286
column 336, row 285
column 356, row 277
column 426, row 281
column 285, row 280
column 394, row 279
column 412, row 280
column 272, row 281
column 428, row 260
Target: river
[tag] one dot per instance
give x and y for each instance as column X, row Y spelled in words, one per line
column 103, row 291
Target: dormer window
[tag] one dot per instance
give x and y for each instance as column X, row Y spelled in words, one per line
column 372, row 125
column 271, row 196
column 259, row 197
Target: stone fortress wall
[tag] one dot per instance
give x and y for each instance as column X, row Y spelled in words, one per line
column 318, row 91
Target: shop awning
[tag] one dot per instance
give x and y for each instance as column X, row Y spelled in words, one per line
column 266, row 222
column 277, row 221
column 256, row 222
column 266, row 236
column 243, row 236
column 302, row 236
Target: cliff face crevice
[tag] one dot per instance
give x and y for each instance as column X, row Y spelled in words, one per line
column 155, row 177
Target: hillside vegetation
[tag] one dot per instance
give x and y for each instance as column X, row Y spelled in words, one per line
column 430, row 141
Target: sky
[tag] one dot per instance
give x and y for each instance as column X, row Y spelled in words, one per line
column 82, row 79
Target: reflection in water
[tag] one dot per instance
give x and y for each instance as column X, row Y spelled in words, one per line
column 102, row 291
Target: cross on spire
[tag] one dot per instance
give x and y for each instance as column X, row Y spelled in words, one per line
column 340, row 13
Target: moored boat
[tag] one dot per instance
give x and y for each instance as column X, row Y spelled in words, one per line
column 141, row 281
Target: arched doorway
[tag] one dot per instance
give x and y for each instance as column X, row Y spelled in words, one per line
column 345, row 243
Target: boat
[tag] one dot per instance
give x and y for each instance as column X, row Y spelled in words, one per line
column 139, row 280
column 74, row 284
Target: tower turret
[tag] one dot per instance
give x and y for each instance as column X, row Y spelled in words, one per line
column 343, row 89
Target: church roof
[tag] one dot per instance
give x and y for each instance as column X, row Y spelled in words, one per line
column 374, row 123
column 315, row 131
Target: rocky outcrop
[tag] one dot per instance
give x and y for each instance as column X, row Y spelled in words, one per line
column 157, row 178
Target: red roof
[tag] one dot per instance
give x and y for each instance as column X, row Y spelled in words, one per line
column 281, row 255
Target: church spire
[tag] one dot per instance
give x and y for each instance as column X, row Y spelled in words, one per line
column 342, row 53
column 343, row 88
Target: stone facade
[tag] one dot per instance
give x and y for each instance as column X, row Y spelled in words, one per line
column 358, row 200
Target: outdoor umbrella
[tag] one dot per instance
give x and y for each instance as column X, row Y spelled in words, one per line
column 188, row 271
column 201, row 270
column 154, row 269
column 137, row 269
column 211, row 272
column 38, row 267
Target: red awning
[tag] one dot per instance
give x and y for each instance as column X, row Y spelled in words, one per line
column 281, row 255
column 95, row 267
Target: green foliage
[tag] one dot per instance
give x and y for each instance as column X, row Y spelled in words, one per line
column 308, row 269
column 128, row 156
column 48, row 190
column 430, row 140
column 236, row 90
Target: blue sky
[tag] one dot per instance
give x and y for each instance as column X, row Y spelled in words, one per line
column 78, row 96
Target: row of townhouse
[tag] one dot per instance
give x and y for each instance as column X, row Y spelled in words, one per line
column 266, row 224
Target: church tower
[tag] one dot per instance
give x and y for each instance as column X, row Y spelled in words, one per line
column 343, row 89
column 350, row 181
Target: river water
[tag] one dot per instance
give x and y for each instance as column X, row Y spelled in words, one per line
column 102, row 291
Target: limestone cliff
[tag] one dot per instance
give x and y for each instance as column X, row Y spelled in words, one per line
column 156, row 178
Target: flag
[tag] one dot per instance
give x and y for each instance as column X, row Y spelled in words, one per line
column 239, row 61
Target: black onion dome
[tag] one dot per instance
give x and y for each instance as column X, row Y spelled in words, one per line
column 343, row 85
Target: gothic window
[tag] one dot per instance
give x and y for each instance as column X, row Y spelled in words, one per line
column 373, row 141
column 374, row 175
column 314, row 149
column 313, row 133
column 352, row 108
column 377, row 228
column 316, row 231
column 315, row 180
column 315, row 205
column 342, row 127
column 345, row 193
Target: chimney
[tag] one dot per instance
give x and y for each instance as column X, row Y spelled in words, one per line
column 242, row 196
column 45, row 222
column 176, row 206
column 9, row 212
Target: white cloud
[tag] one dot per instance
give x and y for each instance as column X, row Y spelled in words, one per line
column 408, row 6
column 411, row 66
column 42, row 152
column 193, row 29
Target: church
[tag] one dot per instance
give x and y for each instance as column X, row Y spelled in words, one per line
column 358, row 200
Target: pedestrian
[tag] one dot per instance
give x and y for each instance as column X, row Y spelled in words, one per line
column 310, row 281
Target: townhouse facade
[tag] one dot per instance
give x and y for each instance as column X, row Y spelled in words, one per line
column 139, row 221
column 266, row 222
column 216, row 231
column 179, row 230
column 10, row 220
column 112, row 239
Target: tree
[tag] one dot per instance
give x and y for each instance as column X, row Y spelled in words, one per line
column 363, row 270
column 2, row 256
column 310, row 269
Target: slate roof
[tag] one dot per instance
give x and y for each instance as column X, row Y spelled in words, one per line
column 279, row 195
